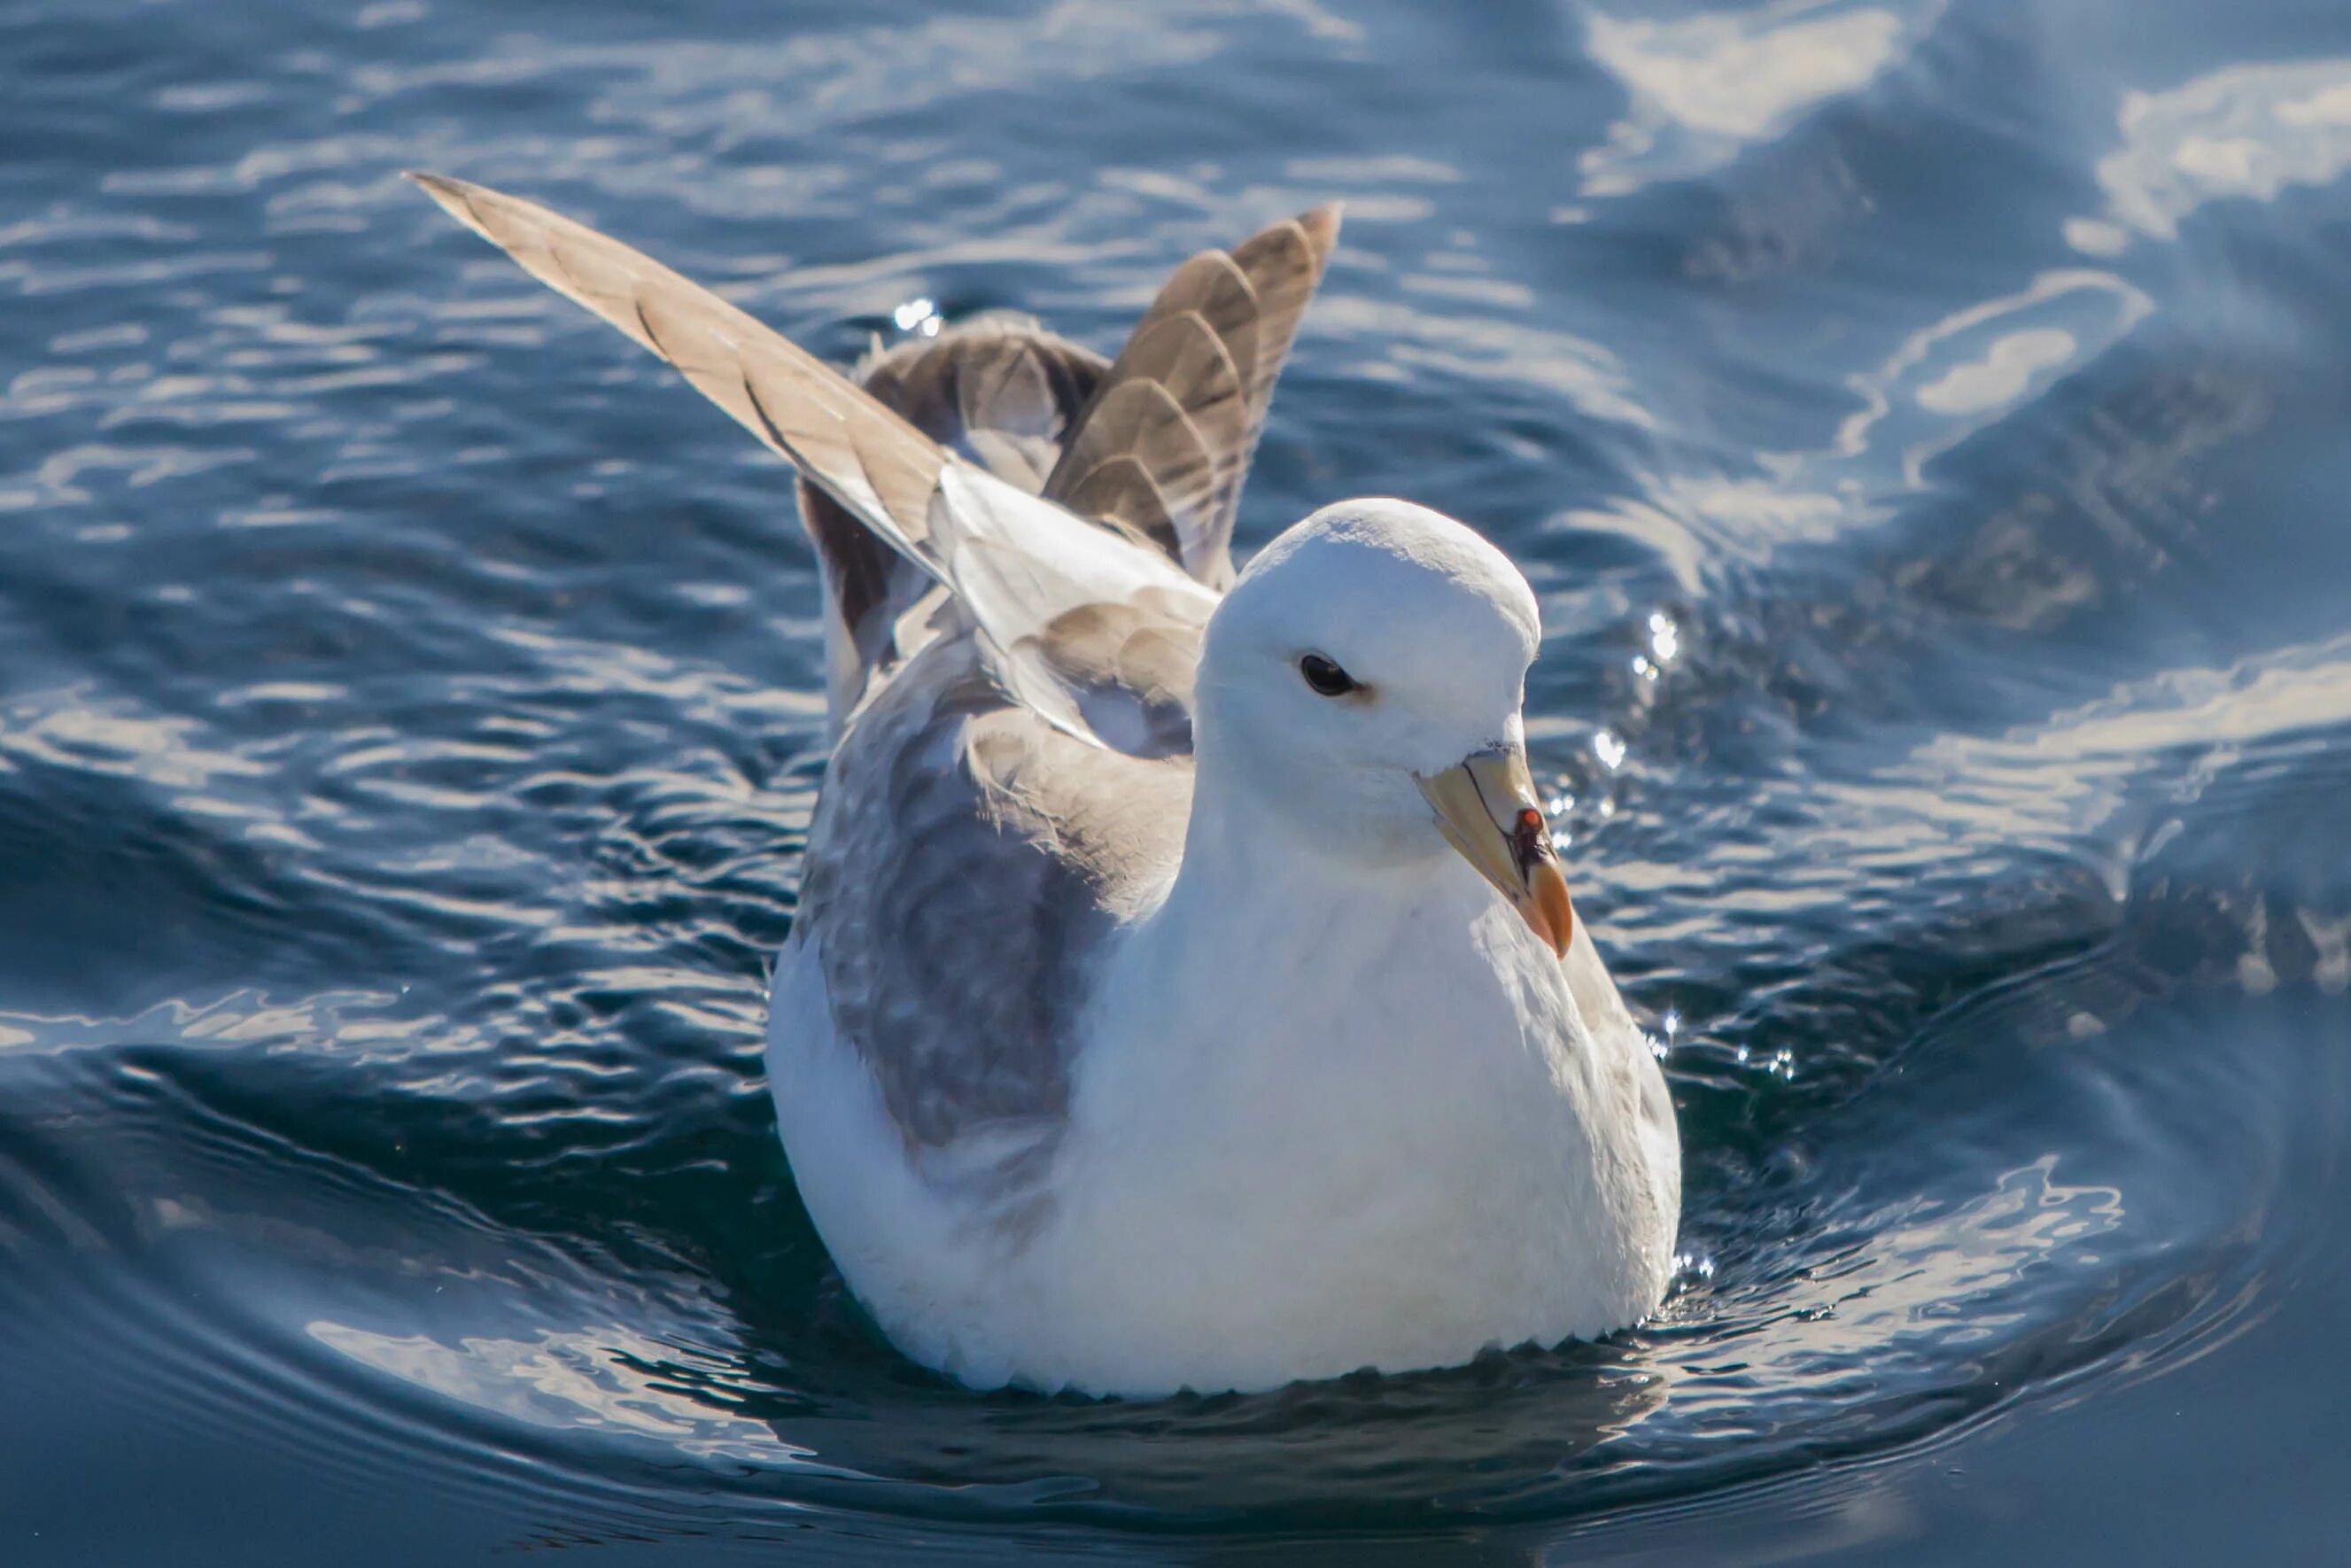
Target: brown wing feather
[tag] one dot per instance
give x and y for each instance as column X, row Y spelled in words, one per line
column 1001, row 389
column 1284, row 266
column 1121, row 491
column 1246, row 305
column 1156, row 445
column 873, row 463
column 1144, row 423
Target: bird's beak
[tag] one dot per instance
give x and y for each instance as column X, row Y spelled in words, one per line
column 1486, row 808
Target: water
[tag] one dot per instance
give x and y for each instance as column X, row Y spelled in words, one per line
column 1922, row 423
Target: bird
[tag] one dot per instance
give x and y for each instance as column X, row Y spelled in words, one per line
column 1184, row 992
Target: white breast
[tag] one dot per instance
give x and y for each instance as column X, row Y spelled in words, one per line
column 1293, row 1172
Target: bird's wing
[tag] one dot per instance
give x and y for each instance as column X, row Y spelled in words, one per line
column 1163, row 445
column 998, row 389
column 964, row 862
column 1018, row 565
column 1021, row 781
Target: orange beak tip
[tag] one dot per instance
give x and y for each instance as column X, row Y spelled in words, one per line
column 1555, row 913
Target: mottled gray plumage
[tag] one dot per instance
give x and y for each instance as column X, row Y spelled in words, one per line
column 1013, row 763
column 964, row 853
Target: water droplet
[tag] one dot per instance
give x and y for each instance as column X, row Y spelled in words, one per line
column 1693, row 1268
column 914, row 313
column 1664, row 637
column 1673, row 1022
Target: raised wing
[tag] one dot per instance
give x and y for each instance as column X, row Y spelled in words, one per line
column 866, row 457
column 1162, row 448
column 1018, row 564
column 997, row 389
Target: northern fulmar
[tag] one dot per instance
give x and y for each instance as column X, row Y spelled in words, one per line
column 1185, row 991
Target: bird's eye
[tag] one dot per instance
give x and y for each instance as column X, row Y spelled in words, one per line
column 1327, row 678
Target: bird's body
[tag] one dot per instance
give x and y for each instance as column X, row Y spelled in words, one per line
column 1271, row 1169
column 1139, row 1029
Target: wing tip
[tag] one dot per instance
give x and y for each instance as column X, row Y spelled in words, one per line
column 452, row 196
column 1320, row 224
column 1307, row 238
column 1321, row 221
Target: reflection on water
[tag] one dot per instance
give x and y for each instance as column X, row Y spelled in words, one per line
column 600, row 1381
column 1704, row 87
column 1922, row 426
column 2248, row 131
column 1965, row 370
column 1412, row 340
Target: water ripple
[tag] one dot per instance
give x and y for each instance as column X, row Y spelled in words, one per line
column 1921, row 429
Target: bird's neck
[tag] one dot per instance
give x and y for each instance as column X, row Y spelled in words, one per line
column 1287, row 1005
column 1240, row 843
column 1257, row 909
column 1268, row 940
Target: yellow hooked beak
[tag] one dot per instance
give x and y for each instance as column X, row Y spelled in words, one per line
column 1486, row 808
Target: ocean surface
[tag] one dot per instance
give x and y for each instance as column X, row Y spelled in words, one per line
column 1924, row 425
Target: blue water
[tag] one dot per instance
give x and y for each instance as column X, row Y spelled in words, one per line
column 1925, row 426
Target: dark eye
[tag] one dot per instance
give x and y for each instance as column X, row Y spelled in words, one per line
column 1327, row 678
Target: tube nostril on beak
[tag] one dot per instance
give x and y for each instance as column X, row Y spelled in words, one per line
column 1485, row 808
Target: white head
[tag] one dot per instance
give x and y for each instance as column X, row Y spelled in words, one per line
column 1370, row 662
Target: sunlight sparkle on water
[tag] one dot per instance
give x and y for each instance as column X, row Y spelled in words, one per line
column 920, row 314
column 1664, row 638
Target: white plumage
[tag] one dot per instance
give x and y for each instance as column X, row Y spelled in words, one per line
column 1185, row 992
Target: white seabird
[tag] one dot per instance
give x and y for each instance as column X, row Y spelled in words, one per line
column 1185, row 991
